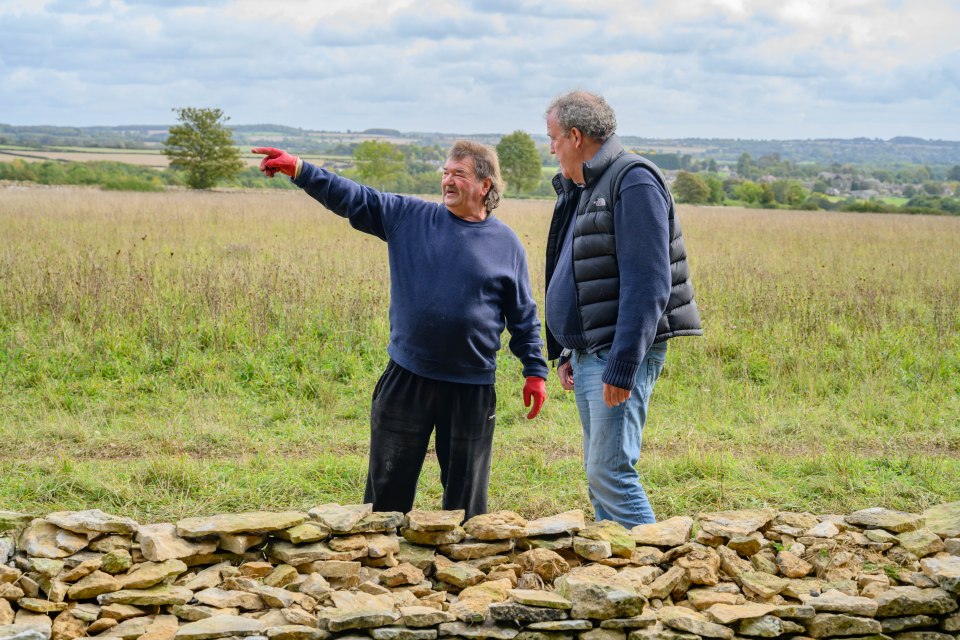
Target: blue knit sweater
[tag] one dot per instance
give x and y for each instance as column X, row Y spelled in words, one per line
column 454, row 285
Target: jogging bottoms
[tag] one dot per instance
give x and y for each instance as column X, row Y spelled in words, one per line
column 406, row 408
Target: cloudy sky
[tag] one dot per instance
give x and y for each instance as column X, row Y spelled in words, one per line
column 671, row 68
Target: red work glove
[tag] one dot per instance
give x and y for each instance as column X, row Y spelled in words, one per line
column 534, row 389
column 277, row 160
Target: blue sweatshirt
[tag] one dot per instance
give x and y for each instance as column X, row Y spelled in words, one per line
column 643, row 257
column 454, row 285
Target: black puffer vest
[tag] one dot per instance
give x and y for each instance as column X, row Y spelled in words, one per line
column 595, row 270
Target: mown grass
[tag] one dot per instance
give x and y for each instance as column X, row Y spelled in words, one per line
column 179, row 353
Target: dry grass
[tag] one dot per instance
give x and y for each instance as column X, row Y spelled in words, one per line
column 150, row 341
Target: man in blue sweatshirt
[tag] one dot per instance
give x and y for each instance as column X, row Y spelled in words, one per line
column 458, row 276
column 618, row 287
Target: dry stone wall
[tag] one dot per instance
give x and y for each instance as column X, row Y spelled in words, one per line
column 347, row 572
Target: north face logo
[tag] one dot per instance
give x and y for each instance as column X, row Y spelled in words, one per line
column 599, row 202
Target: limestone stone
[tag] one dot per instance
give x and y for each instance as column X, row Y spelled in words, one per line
column 881, row 518
column 635, row 622
column 128, row 629
column 419, row 520
column 93, row 585
column 943, row 519
column 896, row 625
column 685, row 620
column 296, row 632
column 599, row 600
column 646, row 556
column 229, row 598
column 921, row 542
column 830, row 625
column 97, row 627
column 592, row 550
column 728, row 614
column 154, row 596
column 240, row 542
column 794, row 612
column 300, row 554
column 149, row 574
column 38, row 605
column 825, row 529
column 46, row 567
column 40, row 621
column 833, row 601
column 459, row 574
column 702, row 566
column 402, row 633
column 234, row 523
column 340, row 518
column 665, row 584
column 378, row 521
column 702, row 599
column 472, row 603
column 486, row 631
column 163, row 627
column 403, row 573
column 747, row 545
column 92, row 521
column 793, row 566
column 470, row 549
column 945, row 571
column 672, row 532
column 111, row 542
column 727, row 524
column 553, row 543
column 433, row 538
column 421, row 616
column 331, row 569
column 194, row 612
column 160, row 542
column 538, row 598
column 951, row 623
column 908, row 601
column 762, row 584
column 521, row 614
column 358, row 610
column 380, row 545
column 731, row 563
column 545, row 563
column 121, row 612
column 563, row 523
column 923, row 635
column 66, row 626
column 42, row 539
column 498, row 525
column 620, row 539
column 220, row 627
column 116, row 561
column 309, row 531
column 762, row 627
column 82, row 570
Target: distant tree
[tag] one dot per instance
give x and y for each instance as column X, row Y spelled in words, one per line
column 378, row 162
column 749, row 192
column 715, row 185
column 691, row 188
column 954, row 173
column 519, row 161
column 202, row 146
column 933, row 188
column 745, row 166
column 909, row 191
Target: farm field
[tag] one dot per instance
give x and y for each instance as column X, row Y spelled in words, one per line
column 183, row 353
column 140, row 157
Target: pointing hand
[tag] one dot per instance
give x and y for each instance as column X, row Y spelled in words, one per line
column 277, row 160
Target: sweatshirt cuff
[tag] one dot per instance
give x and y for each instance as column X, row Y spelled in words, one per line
column 620, row 374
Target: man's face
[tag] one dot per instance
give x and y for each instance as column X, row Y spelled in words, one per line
column 562, row 146
column 463, row 192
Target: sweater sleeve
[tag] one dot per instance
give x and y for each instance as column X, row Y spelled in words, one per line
column 641, row 219
column 523, row 323
column 367, row 209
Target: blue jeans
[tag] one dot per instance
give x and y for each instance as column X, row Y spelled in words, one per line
column 612, row 436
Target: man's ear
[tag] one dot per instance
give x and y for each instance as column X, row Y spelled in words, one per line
column 577, row 136
column 487, row 185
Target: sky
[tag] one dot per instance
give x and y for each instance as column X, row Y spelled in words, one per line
column 755, row 69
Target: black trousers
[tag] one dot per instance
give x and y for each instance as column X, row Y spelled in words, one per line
column 406, row 409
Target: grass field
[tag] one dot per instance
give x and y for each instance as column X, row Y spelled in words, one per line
column 140, row 157
column 179, row 353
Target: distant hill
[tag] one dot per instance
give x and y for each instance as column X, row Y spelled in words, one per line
column 858, row 151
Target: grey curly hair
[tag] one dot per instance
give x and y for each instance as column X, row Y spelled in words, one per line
column 586, row 111
column 486, row 164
